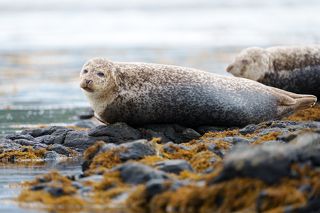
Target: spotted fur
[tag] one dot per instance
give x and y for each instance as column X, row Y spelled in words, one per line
column 141, row 93
column 295, row 68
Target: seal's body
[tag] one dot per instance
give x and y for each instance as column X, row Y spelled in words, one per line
column 140, row 93
column 295, row 68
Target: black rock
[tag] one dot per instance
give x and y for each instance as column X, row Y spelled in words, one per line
column 45, row 139
column 205, row 129
column 136, row 150
column 78, row 140
column 19, row 136
column 169, row 132
column 173, row 166
column 42, row 131
column 154, row 187
column 271, row 162
column 25, row 142
column 137, row 173
column 115, row 133
column 60, row 149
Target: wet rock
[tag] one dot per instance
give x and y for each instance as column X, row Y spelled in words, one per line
column 169, row 132
column 273, row 161
column 205, row 129
column 154, row 187
column 60, row 149
column 216, row 150
column 237, row 140
column 115, row 133
column 42, row 131
column 171, row 147
column 136, row 150
column 136, row 173
column 45, row 139
column 8, row 145
column 270, row 130
column 173, row 166
column 51, row 156
column 249, row 129
column 78, row 140
column 19, row 136
column 24, row 142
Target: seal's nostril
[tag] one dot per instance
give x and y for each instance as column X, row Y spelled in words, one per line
column 229, row 68
column 89, row 82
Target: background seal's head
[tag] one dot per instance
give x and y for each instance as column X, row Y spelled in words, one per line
column 97, row 77
column 251, row 63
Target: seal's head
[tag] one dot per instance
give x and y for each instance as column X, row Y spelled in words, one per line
column 97, row 77
column 251, row 63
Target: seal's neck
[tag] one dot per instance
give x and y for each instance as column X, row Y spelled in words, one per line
column 99, row 102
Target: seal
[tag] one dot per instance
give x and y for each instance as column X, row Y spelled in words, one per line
column 143, row 93
column 292, row 68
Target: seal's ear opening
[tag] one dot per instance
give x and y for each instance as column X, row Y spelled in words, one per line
column 229, row 68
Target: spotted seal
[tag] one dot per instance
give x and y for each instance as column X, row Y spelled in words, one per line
column 292, row 68
column 143, row 93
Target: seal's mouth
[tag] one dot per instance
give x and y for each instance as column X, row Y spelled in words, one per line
column 88, row 89
column 86, row 85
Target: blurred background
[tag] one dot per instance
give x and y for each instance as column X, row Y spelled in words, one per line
column 43, row 44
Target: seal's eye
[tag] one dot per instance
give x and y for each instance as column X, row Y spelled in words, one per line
column 85, row 71
column 100, row 74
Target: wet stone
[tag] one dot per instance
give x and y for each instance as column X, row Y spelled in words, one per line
column 137, row 173
column 115, row 133
column 60, row 149
column 170, row 147
column 137, row 150
column 173, row 166
column 169, row 132
column 85, row 124
column 25, row 142
column 249, row 129
column 19, row 136
column 78, row 140
column 237, row 140
column 51, row 156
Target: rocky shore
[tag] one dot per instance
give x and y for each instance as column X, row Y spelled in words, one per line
column 268, row 167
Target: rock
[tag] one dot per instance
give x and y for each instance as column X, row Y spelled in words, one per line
column 42, row 131
column 249, row 129
column 115, row 133
column 169, row 132
column 213, row 148
column 78, row 140
column 173, row 166
column 19, row 136
column 136, row 150
column 60, row 149
column 137, row 173
column 273, row 161
column 24, row 142
column 45, row 139
column 237, row 140
column 51, row 156
column 154, row 187
column 171, row 147
column 8, row 145
column 205, row 129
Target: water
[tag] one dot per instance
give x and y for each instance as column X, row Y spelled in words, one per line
column 45, row 43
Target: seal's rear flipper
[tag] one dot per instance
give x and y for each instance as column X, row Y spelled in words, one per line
column 291, row 102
